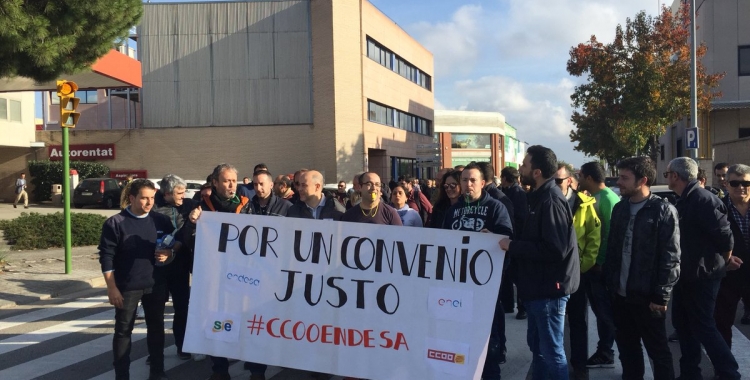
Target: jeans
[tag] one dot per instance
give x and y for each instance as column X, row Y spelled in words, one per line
column 546, row 319
column 577, row 311
column 601, row 305
column 153, row 305
column 693, row 318
column 636, row 322
column 178, row 284
column 496, row 348
column 221, row 365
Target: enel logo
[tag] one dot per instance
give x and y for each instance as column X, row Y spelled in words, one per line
column 446, row 356
column 241, row 278
column 220, row 326
column 449, row 302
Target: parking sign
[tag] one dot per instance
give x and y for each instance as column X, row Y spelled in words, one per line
column 691, row 138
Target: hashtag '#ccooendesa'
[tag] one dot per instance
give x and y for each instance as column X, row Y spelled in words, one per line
column 256, row 324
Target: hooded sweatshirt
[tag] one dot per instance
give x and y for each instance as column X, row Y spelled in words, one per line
column 485, row 213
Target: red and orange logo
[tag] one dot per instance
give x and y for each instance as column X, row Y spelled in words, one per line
column 445, row 356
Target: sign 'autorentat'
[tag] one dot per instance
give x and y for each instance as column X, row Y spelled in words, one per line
column 84, row 152
column 350, row 299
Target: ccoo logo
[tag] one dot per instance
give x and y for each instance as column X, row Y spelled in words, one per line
column 220, row 326
column 446, row 356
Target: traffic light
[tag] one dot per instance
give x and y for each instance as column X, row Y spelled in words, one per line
column 66, row 91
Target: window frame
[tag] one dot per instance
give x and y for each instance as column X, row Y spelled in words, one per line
column 4, row 115
column 395, row 118
column 10, row 111
column 400, row 66
column 739, row 60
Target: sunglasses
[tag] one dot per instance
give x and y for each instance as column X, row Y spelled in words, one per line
column 451, row 186
column 559, row 181
column 745, row 184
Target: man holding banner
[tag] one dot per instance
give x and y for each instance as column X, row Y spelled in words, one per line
column 478, row 211
column 546, row 257
column 371, row 208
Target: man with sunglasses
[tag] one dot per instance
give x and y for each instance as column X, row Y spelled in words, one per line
column 737, row 283
column 706, row 241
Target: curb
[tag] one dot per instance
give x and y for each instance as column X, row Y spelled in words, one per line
column 87, row 284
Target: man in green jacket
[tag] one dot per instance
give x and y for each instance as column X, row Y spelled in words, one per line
column 588, row 233
column 592, row 175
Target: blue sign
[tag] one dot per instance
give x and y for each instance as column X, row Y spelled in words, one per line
column 691, row 138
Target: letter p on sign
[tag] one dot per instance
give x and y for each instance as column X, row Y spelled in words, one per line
column 691, row 138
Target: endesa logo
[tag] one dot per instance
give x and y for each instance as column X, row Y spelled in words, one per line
column 444, row 356
column 449, row 302
column 242, row 279
column 220, row 326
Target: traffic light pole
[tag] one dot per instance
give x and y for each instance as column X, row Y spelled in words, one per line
column 66, row 199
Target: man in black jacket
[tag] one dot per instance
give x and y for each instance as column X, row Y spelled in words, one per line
column 546, row 261
column 127, row 253
column 707, row 242
column 224, row 198
column 313, row 204
column 477, row 211
column 265, row 202
column 509, row 181
column 642, row 266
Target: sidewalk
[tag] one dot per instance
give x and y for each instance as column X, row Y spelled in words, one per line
column 40, row 274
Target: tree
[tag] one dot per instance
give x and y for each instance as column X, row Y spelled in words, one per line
column 43, row 39
column 637, row 85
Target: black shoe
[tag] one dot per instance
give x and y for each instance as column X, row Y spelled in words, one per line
column 25, row 206
column 183, row 355
column 14, row 206
column 674, row 337
column 158, row 376
column 599, row 360
column 521, row 314
column 745, row 319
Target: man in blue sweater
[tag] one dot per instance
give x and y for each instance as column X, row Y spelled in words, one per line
column 127, row 253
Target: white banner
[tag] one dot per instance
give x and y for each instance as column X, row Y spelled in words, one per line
column 350, row 299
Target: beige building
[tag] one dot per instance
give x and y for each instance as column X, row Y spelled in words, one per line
column 724, row 133
column 17, row 139
column 333, row 85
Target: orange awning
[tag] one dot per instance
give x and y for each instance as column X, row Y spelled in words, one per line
column 114, row 70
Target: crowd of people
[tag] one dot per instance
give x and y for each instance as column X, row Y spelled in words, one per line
column 570, row 242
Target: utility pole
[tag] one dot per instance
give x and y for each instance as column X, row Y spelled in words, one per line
column 66, row 91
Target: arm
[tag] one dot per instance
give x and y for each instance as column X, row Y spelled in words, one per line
column 554, row 234
column 668, row 259
column 426, row 205
column 107, row 250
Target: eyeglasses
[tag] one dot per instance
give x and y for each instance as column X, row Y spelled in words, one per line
column 371, row 184
column 735, row 183
column 667, row 173
column 451, row 186
column 559, row 181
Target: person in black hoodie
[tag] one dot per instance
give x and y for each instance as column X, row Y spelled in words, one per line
column 706, row 241
column 127, row 253
column 546, row 263
column 477, row 211
column 224, row 198
column 265, row 202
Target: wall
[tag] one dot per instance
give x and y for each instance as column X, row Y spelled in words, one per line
column 13, row 133
column 96, row 116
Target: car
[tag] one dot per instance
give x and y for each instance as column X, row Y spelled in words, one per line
column 664, row 192
column 103, row 192
column 193, row 186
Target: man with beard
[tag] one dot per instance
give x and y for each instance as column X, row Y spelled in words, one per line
column 642, row 267
column 282, row 187
column 224, row 198
column 371, row 209
column 478, row 211
column 720, row 176
column 265, row 202
column 546, row 263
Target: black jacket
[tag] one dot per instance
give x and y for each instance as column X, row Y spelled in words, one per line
column 655, row 252
column 739, row 278
column 520, row 206
column 705, row 233
column 332, row 209
column 545, row 254
column 498, row 194
column 276, row 206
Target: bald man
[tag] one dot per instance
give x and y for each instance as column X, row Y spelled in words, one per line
column 371, row 209
column 312, row 203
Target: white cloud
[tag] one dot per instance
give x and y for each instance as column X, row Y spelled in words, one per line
column 454, row 44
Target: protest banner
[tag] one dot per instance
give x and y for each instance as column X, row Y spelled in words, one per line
column 351, row 299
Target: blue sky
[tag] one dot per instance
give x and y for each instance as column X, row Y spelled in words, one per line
column 509, row 56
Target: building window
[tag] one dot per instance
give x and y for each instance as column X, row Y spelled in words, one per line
column 3, row 109
column 661, row 151
column 744, row 132
column 86, row 96
column 15, row 110
column 378, row 113
column 387, row 58
column 679, row 147
column 744, row 60
column 470, row 141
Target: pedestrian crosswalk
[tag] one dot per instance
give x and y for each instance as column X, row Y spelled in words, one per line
column 73, row 340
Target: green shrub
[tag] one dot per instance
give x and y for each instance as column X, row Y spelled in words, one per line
column 46, row 173
column 39, row 231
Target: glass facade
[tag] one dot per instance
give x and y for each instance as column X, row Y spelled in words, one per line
column 378, row 113
column 470, row 141
column 387, row 58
